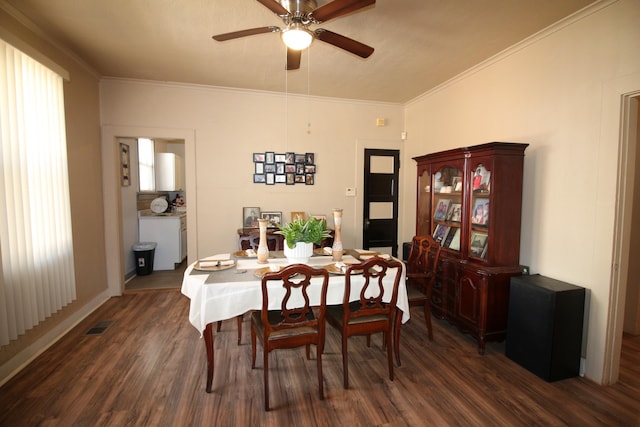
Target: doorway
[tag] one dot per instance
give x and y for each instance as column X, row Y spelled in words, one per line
column 132, row 200
column 380, row 202
column 624, row 309
column 112, row 195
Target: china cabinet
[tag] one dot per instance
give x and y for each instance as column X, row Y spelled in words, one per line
column 470, row 200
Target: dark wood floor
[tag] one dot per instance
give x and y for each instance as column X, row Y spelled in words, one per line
column 148, row 369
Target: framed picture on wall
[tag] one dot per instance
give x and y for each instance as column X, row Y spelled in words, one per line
column 125, row 176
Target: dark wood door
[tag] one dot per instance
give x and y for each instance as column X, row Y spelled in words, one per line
column 381, row 170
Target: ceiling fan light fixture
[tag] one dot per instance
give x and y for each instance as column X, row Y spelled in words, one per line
column 297, row 37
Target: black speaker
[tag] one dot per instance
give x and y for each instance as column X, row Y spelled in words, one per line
column 544, row 331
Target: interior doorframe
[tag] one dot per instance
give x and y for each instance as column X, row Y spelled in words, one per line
column 112, row 195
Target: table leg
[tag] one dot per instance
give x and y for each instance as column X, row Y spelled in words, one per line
column 208, row 343
column 396, row 335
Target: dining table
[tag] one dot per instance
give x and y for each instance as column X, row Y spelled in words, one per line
column 227, row 285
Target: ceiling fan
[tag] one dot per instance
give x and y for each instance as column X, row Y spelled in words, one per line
column 297, row 16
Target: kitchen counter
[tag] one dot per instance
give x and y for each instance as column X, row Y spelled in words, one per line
column 148, row 213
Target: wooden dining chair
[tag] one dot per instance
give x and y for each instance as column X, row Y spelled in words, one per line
column 369, row 314
column 422, row 265
column 295, row 324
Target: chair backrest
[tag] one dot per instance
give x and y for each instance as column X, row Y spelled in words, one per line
column 295, row 309
column 424, row 256
column 370, row 302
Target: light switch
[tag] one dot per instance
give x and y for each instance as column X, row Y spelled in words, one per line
column 350, row 191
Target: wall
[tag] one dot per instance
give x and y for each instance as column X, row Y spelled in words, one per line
column 229, row 126
column 85, row 181
column 559, row 92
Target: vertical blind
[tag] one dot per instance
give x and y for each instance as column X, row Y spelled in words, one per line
column 36, row 248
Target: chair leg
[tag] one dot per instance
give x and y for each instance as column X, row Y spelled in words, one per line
column 396, row 335
column 389, row 353
column 266, row 377
column 427, row 319
column 253, row 346
column 368, row 340
column 219, row 326
column 345, row 361
column 320, row 377
column 308, row 351
column 239, row 321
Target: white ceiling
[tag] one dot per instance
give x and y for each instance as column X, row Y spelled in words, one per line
column 418, row 43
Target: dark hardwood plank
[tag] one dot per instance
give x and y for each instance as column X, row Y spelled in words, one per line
column 148, row 369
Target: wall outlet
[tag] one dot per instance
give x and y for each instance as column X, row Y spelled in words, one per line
column 350, row 192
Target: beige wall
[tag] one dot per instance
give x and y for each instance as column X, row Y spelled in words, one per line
column 228, row 126
column 559, row 92
column 83, row 140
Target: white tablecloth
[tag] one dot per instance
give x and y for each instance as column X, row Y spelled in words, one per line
column 221, row 295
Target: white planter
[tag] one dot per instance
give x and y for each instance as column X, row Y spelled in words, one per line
column 300, row 254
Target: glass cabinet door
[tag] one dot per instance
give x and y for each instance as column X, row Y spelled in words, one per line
column 423, row 220
column 446, row 216
column 480, row 214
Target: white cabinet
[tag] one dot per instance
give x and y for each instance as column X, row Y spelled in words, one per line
column 169, row 169
column 170, row 235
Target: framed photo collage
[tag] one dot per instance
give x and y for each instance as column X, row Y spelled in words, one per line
column 289, row 168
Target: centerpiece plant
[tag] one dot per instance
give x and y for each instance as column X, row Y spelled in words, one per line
column 312, row 230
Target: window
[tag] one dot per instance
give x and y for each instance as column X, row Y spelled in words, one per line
column 36, row 248
column 146, row 154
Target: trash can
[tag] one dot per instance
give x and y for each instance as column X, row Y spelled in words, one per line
column 144, row 252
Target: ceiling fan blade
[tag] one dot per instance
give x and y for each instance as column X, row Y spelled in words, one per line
column 293, row 59
column 338, row 8
column 244, row 33
column 274, row 7
column 353, row 46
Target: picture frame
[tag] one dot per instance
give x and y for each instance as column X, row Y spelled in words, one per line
column 250, row 216
column 269, row 157
column 280, row 168
column 309, row 169
column 456, row 184
column 299, row 158
column 478, row 244
column 281, row 178
column 442, row 208
column 270, row 178
column 309, row 179
column 455, row 212
column 259, row 178
column 291, row 178
column 440, row 233
column 480, row 212
column 258, row 167
column 280, row 158
column 453, row 239
column 125, row 167
column 258, row 157
column 290, row 158
column 309, row 158
column 298, row 214
column 274, row 218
